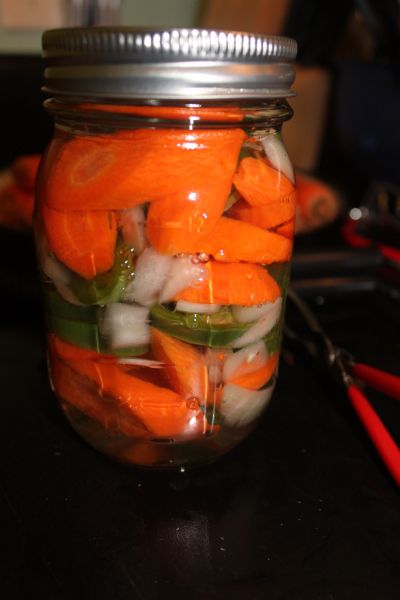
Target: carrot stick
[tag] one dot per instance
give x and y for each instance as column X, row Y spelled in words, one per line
column 84, row 395
column 227, row 114
column 260, row 184
column 258, row 378
column 236, row 240
column 83, row 240
column 185, row 367
column 162, row 411
column 16, row 207
column 70, row 352
column 268, row 215
column 286, row 229
column 193, row 168
column 230, row 241
column 233, row 283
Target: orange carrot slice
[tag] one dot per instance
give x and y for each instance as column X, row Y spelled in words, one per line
column 259, row 183
column 233, row 283
column 235, row 240
column 24, row 169
column 70, row 352
column 84, row 395
column 163, row 412
column 192, row 192
column 185, row 367
column 83, row 240
column 231, row 240
column 227, row 114
column 286, row 229
column 258, row 378
column 193, row 168
column 268, row 215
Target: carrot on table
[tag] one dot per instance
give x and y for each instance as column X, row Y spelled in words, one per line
column 245, row 284
column 83, row 240
column 162, row 411
column 260, row 184
column 25, row 168
column 16, row 207
column 118, row 171
column 185, row 368
column 317, row 203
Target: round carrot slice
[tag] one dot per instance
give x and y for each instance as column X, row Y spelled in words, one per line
column 233, row 283
column 83, row 240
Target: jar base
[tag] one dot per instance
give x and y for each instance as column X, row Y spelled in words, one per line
column 157, row 453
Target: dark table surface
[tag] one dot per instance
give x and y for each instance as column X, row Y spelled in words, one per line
column 302, row 510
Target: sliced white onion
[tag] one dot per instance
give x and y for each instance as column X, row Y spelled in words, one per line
column 240, row 406
column 244, row 361
column 54, row 269
column 151, row 272
column 142, row 362
column 59, row 274
column 133, row 227
column 126, row 325
column 247, row 314
column 260, row 327
column 193, row 307
column 182, row 274
column 277, row 155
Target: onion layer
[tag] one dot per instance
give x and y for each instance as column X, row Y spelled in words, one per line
column 126, row 325
column 261, row 327
column 240, row 406
column 277, row 155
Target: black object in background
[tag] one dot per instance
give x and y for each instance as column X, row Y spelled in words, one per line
column 25, row 127
column 316, row 26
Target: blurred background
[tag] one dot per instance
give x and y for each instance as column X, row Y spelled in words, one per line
column 346, row 127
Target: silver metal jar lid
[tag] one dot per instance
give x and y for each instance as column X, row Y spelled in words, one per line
column 176, row 64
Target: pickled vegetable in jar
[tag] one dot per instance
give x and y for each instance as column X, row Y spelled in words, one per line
column 164, row 227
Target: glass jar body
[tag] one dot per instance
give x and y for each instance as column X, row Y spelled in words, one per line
column 164, row 237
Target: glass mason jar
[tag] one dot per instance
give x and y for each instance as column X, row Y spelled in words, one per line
column 164, row 226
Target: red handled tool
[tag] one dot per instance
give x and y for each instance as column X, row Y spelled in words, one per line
column 350, row 371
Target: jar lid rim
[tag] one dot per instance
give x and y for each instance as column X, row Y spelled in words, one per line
column 164, row 44
column 237, row 64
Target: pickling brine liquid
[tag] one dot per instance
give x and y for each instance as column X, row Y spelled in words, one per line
column 164, row 254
